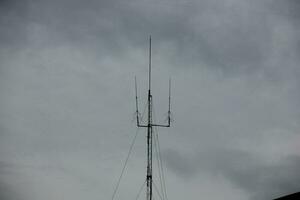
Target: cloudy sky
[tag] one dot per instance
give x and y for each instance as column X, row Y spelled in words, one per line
column 67, row 72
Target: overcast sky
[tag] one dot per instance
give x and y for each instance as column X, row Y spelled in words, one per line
column 67, row 72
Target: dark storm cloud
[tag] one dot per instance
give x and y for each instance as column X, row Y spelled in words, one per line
column 231, row 36
column 217, row 34
column 64, row 73
column 7, row 193
column 262, row 180
column 7, row 189
column 289, row 9
column 13, row 23
column 183, row 166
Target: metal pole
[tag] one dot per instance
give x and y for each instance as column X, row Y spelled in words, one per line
column 149, row 134
column 149, row 126
column 149, row 148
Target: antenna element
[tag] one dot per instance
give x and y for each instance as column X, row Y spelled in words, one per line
column 150, row 125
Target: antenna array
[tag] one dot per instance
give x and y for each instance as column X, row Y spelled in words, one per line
column 150, row 125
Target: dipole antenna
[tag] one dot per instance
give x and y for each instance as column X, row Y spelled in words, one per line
column 150, row 125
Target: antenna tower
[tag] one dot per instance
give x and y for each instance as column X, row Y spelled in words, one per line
column 150, row 126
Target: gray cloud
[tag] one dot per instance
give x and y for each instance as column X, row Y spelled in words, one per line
column 66, row 102
column 261, row 179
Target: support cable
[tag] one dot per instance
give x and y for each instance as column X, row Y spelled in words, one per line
column 162, row 168
column 156, row 189
column 126, row 161
column 157, row 156
column 160, row 163
column 140, row 191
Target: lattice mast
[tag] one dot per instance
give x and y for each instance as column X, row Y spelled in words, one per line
column 150, row 125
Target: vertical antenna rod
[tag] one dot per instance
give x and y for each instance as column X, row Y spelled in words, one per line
column 150, row 63
column 149, row 133
column 149, row 126
column 169, row 111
